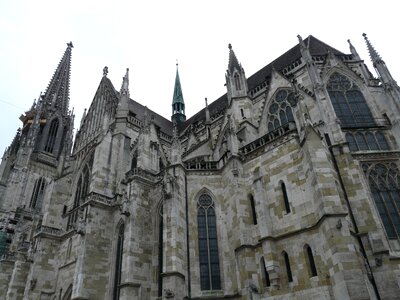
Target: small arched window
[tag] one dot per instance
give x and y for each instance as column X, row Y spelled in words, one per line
column 38, row 194
column 264, row 274
column 118, row 262
column 208, row 244
column 285, row 197
column 280, row 110
column 312, row 270
column 287, row 266
column 253, row 210
column 237, row 82
column 51, row 137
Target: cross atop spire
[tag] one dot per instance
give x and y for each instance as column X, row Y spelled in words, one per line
column 57, row 93
column 233, row 61
column 375, row 57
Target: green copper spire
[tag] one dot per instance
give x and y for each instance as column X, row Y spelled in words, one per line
column 178, row 105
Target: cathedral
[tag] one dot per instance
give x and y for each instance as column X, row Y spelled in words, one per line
column 285, row 187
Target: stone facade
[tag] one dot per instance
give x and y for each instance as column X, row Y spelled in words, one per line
column 286, row 187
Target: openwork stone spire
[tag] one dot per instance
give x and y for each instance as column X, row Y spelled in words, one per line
column 375, row 57
column 57, row 93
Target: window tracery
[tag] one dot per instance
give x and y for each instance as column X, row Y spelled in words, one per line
column 51, row 138
column 367, row 141
column 348, row 102
column 280, row 110
column 38, row 194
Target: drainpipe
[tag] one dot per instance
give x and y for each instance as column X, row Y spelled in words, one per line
column 353, row 220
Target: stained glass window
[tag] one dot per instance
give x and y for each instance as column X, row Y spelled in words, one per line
column 208, row 244
column 348, row 102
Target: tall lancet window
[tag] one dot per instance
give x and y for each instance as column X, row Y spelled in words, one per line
column 384, row 182
column 348, row 102
column 237, row 82
column 38, row 194
column 208, row 244
column 280, row 110
column 51, row 138
column 118, row 262
column 160, row 250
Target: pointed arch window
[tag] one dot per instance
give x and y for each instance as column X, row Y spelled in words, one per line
column 118, row 262
column 38, row 194
column 81, row 192
column 253, row 209
column 208, row 244
column 287, row 266
column 237, row 82
column 280, row 110
column 52, row 135
column 285, row 197
column 312, row 270
column 348, row 102
column 264, row 274
column 384, row 182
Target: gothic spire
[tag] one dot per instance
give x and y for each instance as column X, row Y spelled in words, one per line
column 233, row 61
column 380, row 65
column 178, row 104
column 375, row 57
column 57, row 93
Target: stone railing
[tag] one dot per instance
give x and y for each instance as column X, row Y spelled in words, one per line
column 42, row 229
column 138, row 172
column 201, row 165
column 23, row 246
column 46, row 158
column 268, row 138
column 8, row 256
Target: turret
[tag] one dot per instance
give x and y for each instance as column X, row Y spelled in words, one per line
column 236, row 81
column 178, row 104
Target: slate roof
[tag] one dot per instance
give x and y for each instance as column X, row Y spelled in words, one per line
column 316, row 48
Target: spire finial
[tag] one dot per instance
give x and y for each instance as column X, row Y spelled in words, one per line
column 105, row 71
column 177, row 63
column 125, row 83
column 206, row 102
column 372, row 52
column 233, row 61
column 57, row 92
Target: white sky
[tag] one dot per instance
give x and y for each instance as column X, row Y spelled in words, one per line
column 148, row 37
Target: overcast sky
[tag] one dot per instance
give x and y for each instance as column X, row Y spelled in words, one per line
column 149, row 36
